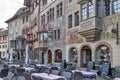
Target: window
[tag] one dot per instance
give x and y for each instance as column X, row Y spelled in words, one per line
column 48, row 16
column 26, row 18
column 15, row 23
column 59, row 10
column 107, row 8
column 84, row 11
column 51, row 14
column 90, row 8
column 44, row 2
column 16, row 33
column 23, row 20
column 44, row 37
column 58, row 55
column 58, row 33
column 43, row 20
column 70, row 21
column 55, row 34
column 70, row 1
column 98, row 8
column 116, row 6
column 76, row 19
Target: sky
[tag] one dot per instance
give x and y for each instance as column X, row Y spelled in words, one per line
column 7, row 9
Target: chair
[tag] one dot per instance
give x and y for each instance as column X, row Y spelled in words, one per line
column 43, row 69
column 55, row 72
column 61, row 79
column 105, row 69
column 20, row 72
column 69, row 68
column 12, row 69
column 27, row 76
column 117, row 71
column 54, row 68
column 36, row 78
column 78, row 76
column 67, row 75
column 90, row 66
column 4, row 73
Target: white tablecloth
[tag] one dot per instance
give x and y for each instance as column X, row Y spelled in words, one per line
column 117, row 79
column 45, row 76
column 39, row 65
column 86, row 72
column 1, row 79
column 16, row 65
column 28, row 69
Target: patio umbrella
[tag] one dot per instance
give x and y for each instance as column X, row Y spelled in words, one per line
column 27, row 56
column 11, row 55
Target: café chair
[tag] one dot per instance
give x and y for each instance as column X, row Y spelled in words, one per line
column 55, row 72
column 90, row 66
column 4, row 72
column 36, row 78
column 117, row 71
column 105, row 70
column 67, row 75
column 78, row 76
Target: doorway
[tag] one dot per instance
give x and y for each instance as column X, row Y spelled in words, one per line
column 85, row 56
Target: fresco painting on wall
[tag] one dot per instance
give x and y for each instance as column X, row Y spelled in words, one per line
column 108, row 26
column 73, row 36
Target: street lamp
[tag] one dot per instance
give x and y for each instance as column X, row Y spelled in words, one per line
column 115, row 30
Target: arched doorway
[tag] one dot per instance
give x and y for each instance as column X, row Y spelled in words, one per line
column 101, row 52
column 58, row 55
column 49, row 56
column 73, row 55
column 86, row 56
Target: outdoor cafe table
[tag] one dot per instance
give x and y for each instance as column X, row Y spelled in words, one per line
column 16, row 65
column 117, row 79
column 29, row 69
column 86, row 73
column 45, row 76
column 1, row 79
column 41, row 65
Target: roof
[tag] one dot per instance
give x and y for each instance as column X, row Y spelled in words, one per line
column 18, row 13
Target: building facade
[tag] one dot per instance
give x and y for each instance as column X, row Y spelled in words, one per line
column 4, row 43
column 15, row 39
column 97, row 33
column 53, row 20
